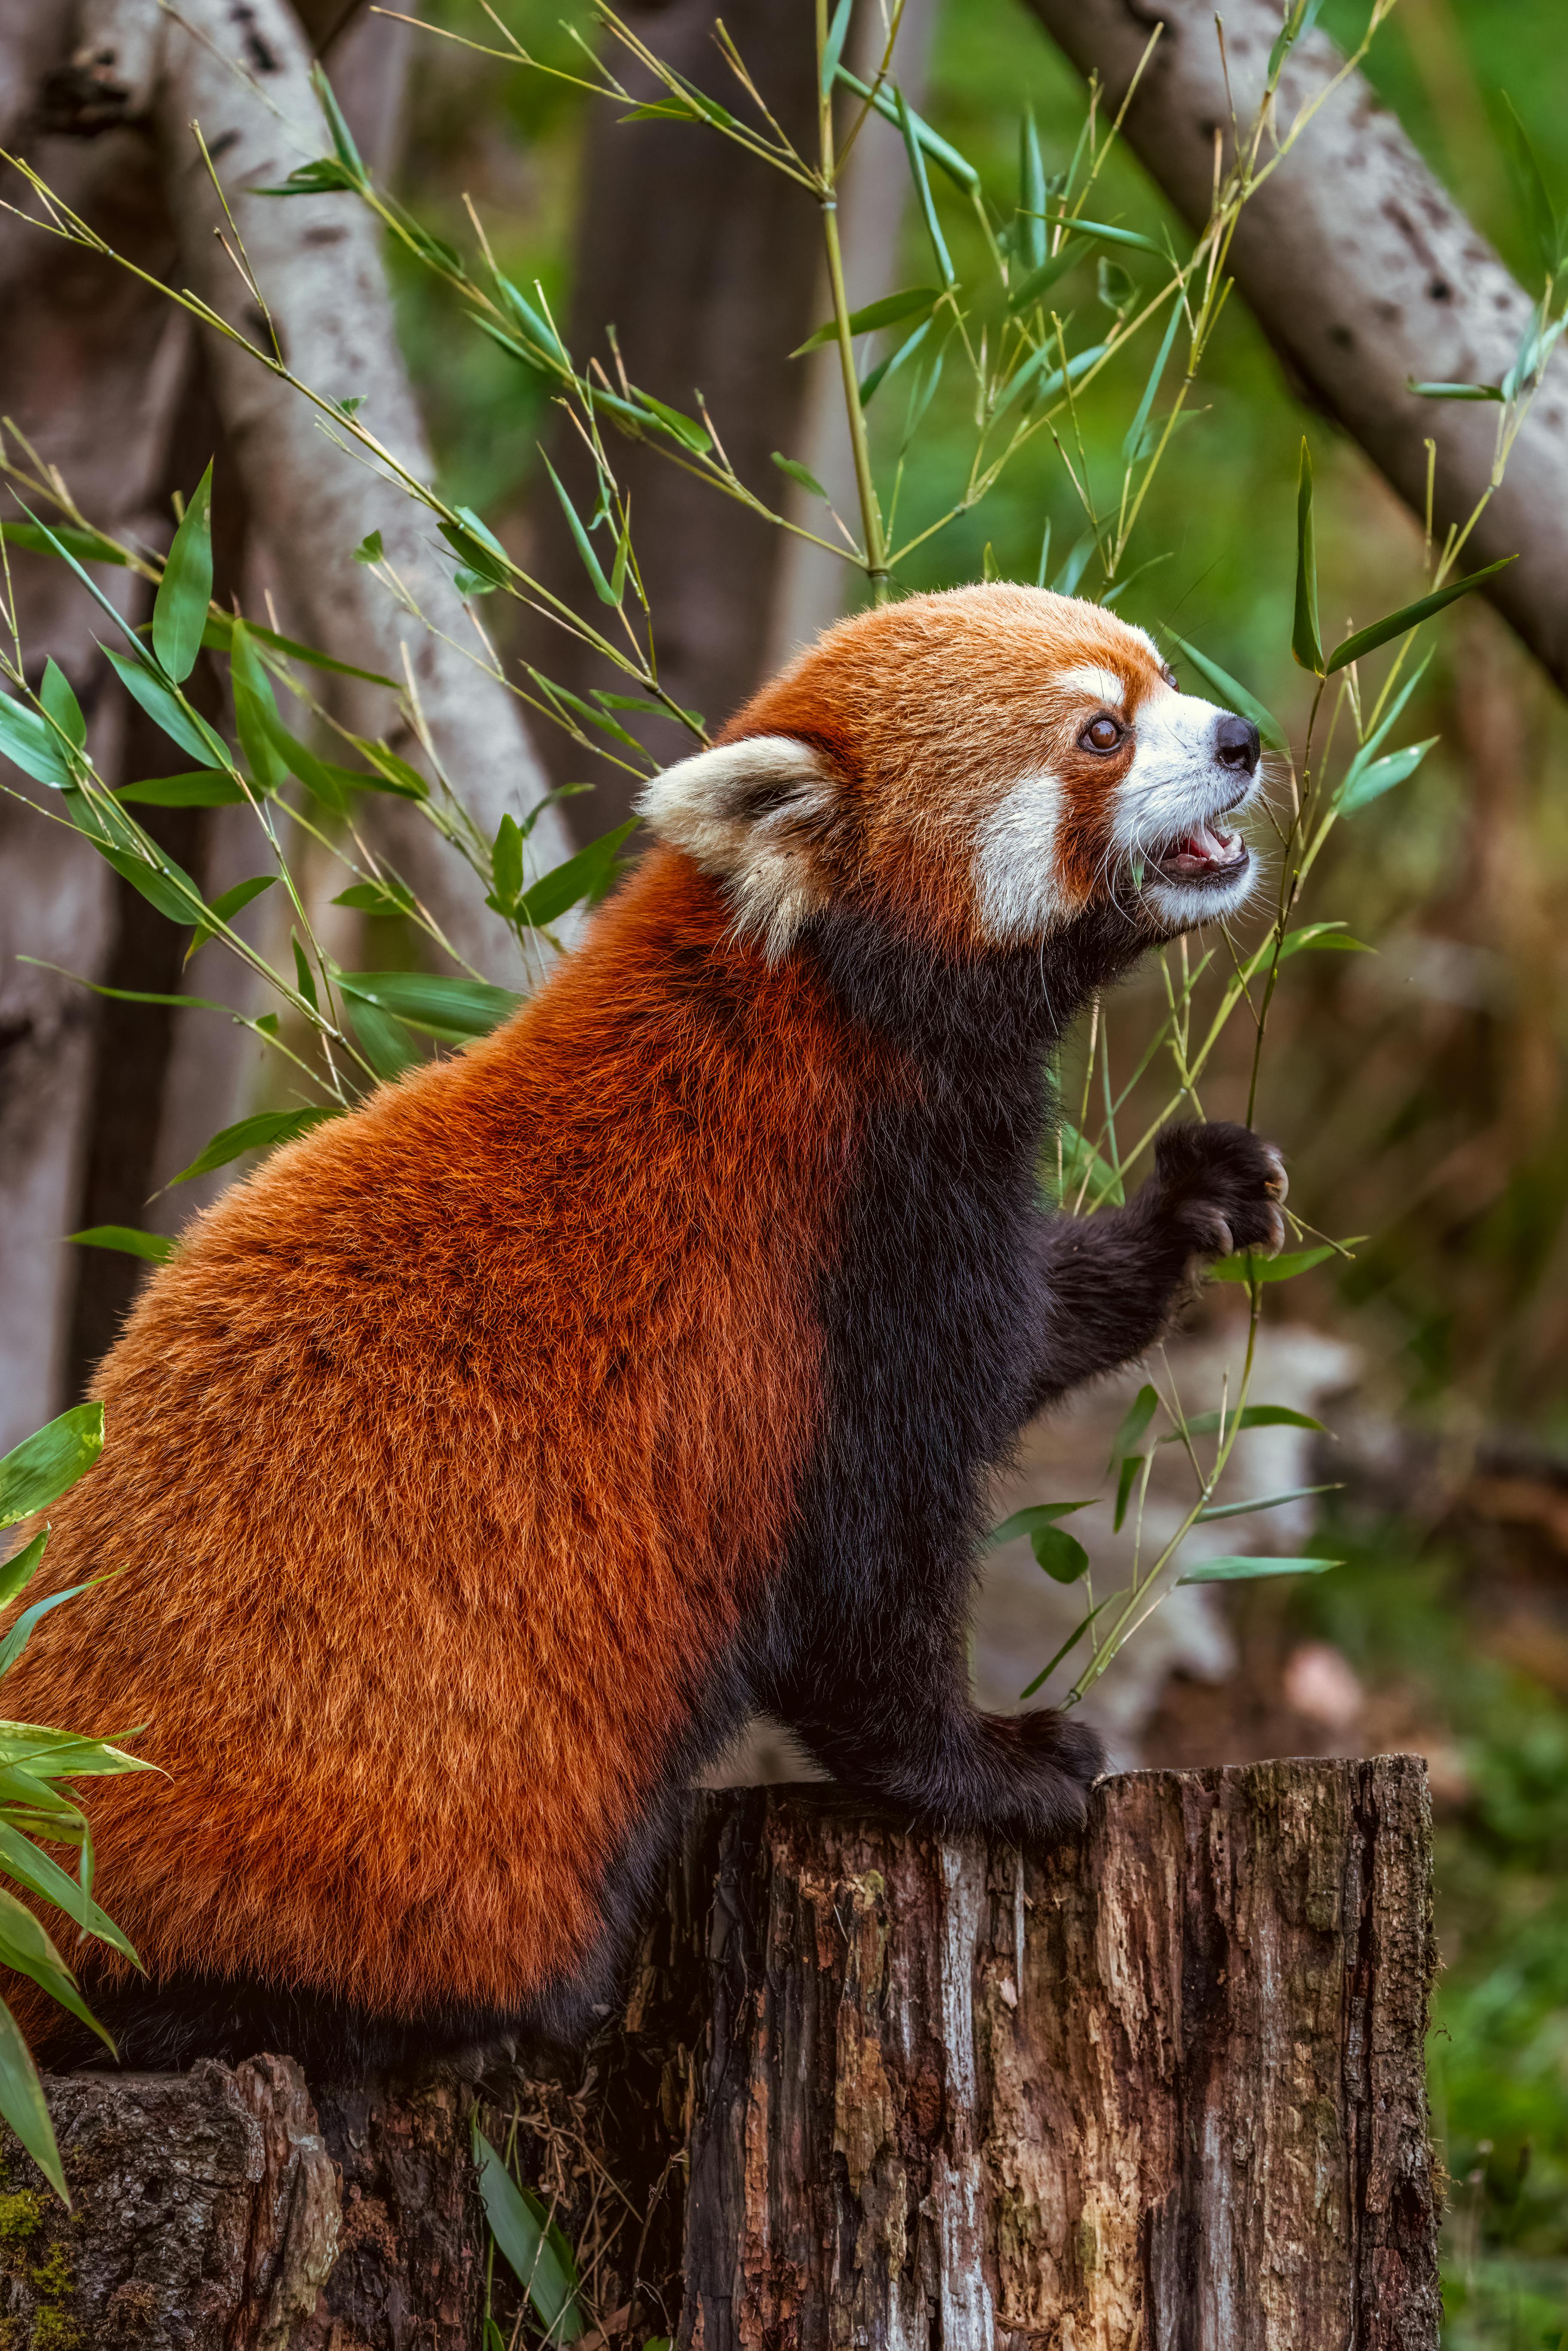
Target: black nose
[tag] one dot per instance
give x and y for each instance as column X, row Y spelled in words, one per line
column 1236, row 742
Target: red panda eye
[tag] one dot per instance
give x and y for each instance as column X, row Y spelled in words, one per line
column 1101, row 733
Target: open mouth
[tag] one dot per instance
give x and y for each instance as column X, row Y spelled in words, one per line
column 1208, row 852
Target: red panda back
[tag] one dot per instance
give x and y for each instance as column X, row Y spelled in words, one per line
column 440, row 1462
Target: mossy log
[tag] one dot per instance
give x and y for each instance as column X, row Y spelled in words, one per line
column 1162, row 2090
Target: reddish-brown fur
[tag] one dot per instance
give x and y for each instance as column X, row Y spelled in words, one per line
column 439, row 1462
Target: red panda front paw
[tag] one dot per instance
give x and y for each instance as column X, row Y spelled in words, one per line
column 1222, row 1187
column 1061, row 1758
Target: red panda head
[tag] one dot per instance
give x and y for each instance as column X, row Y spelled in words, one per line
column 976, row 767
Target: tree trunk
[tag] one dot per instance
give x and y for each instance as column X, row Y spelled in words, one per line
column 1160, row 2090
column 1362, row 270
column 706, row 264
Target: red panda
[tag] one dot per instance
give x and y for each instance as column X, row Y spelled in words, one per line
column 482, row 1461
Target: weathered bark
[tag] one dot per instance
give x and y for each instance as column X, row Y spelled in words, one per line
column 1162, row 2090
column 215, row 2212
column 1362, row 271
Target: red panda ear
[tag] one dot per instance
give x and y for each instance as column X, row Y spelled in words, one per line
column 751, row 814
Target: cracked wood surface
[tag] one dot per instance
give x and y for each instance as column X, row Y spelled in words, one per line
column 1164, row 2088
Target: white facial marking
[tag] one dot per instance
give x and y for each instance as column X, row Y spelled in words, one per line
column 1102, row 684
column 743, row 812
column 1014, row 867
column 1175, row 785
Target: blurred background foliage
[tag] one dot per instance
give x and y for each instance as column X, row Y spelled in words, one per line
column 1419, row 1091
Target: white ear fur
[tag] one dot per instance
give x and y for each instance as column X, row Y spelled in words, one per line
column 745, row 813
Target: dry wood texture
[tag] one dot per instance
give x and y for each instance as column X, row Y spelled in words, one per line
column 1160, row 2091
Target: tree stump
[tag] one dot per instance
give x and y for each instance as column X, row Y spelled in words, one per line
column 1161, row 2090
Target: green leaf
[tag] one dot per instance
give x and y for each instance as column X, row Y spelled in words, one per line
column 441, row 1005
column 220, row 628
column 1368, row 749
column 263, row 1132
column 26, row 1945
column 327, row 176
column 1062, row 1555
column 1068, row 1646
column 481, row 550
column 1031, row 188
column 1084, row 1171
column 392, row 774
column 180, row 609
column 369, row 550
column 21, row 1632
column 891, row 307
column 256, row 711
column 64, row 538
column 1250, row 1267
column 589, row 876
column 156, row 1248
column 32, row 743
column 384, row 898
column 1247, row 1571
column 1551, row 235
column 1047, row 387
column 61, row 704
column 385, row 1041
column 225, row 908
column 1131, row 1465
column 41, row 1754
column 1133, row 441
column 1381, row 776
column 1134, row 1421
column 1455, row 391
column 891, row 365
column 199, row 787
column 1300, row 19
column 22, row 2104
column 799, row 473
column 1235, row 694
column 18, row 1571
column 137, row 858
column 1410, row 616
column 1057, row 265
column 533, row 322
column 22, row 1860
column 833, row 46
column 507, row 863
column 45, row 1465
column 1107, row 233
column 947, row 159
column 915, row 152
column 1031, row 1521
column 675, row 421
column 158, row 700
column 590, row 563
column 1262, row 1502
column 342, row 138
column 536, row 2253
column 1252, row 1415
column 1305, row 644
column 1320, row 936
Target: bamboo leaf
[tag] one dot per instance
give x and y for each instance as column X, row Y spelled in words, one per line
column 1248, row 1571
column 183, row 726
column 220, row 628
column 1134, row 1421
column 31, row 743
column 1131, row 1465
column 1131, row 445
column 21, row 1632
column 537, row 2254
column 22, row 2104
column 1105, row 233
column 1410, row 616
column 434, row 1001
column 589, row 876
column 590, row 563
column 1062, row 1555
column 1456, row 390
column 1381, row 776
column 1248, row 1267
column 1031, row 1520
column 22, row 1860
column 1029, row 289
column 1068, row 1647
column 18, row 1571
column 799, row 473
column 947, row 159
column 891, row 307
column 833, row 46
column 1031, row 187
column 64, row 538
column 916, row 153
column 1262, row 1502
column 1305, row 644
column 45, row 1465
column 156, row 1248
column 61, row 704
column 180, row 609
column 1252, row 1415
column 201, row 788
column 263, row 1132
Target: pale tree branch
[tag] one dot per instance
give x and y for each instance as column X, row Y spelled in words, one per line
column 1362, row 271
